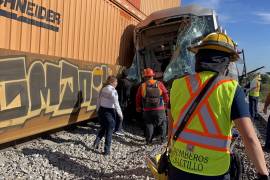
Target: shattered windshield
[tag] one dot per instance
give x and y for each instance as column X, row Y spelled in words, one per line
column 183, row 61
column 133, row 70
column 156, row 46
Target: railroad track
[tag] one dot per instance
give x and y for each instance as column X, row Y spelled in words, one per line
column 67, row 154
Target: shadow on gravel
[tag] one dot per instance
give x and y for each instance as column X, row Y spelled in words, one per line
column 136, row 128
column 127, row 173
column 134, row 138
column 261, row 124
column 123, row 141
column 63, row 162
column 86, row 129
column 60, row 140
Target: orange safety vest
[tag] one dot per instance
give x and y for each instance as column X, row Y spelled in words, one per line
column 159, row 104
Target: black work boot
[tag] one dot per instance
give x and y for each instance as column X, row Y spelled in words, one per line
column 149, row 142
column 96, row 143
column 106, row 153
column 162, row 140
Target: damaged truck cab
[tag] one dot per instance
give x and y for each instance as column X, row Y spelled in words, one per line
column 163, row 38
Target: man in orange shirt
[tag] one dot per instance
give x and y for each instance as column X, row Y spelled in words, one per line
column 150, row 100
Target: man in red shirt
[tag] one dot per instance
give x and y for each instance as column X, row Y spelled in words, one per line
column 150, row 100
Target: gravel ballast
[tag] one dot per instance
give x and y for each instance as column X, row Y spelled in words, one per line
column 68, row 154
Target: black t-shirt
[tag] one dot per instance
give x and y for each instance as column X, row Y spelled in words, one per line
column 123, row 88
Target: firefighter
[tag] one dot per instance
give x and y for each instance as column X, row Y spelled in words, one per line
column 254, row 94
column 150, row 99
column 202, row 150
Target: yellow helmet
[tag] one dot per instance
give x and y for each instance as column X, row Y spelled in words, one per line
column 217, row 41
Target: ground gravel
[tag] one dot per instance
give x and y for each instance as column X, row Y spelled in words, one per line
column 68, row 154
column 260, row 127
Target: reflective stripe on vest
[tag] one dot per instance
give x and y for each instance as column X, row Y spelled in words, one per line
column 208, row 122
column 206, row 142
column 194, row 85
column 206, row 135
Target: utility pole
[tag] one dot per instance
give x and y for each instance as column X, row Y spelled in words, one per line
column 243, row 76
column 244, row 73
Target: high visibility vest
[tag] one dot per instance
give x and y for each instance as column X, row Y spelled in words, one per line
column 255, row 92
column 203, row 146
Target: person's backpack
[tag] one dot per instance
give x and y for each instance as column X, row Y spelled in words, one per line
column 152, row 97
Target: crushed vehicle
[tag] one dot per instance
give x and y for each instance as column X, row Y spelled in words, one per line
column 162, row 39
column 161, row 43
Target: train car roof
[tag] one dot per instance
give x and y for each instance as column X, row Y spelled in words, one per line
column 174, row 12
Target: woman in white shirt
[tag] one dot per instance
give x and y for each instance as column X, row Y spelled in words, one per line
column 107, row 108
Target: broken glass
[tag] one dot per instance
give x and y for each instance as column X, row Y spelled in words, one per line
column 233, row 71
column 133, row 73
column 190, row 32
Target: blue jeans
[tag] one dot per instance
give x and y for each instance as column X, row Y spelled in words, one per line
column 253, row 106
column 107, row 123
column 118, row 123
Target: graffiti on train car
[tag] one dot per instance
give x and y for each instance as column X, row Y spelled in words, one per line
column 51, row 88
column 32, row 13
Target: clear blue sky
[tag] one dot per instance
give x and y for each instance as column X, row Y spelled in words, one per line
column 248, row 23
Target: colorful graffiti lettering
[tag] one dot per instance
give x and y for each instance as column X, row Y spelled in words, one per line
column 55, row 89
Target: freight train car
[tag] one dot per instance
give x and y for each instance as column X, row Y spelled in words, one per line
column 55, row 54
